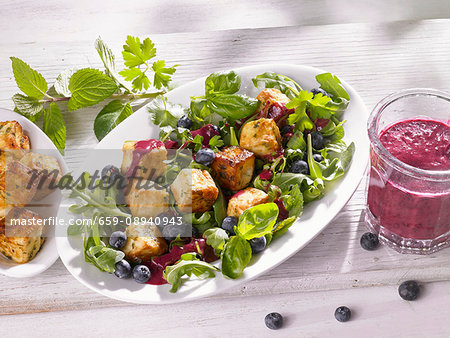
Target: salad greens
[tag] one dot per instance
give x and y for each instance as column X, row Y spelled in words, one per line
column 223, row 112
column 82, row 88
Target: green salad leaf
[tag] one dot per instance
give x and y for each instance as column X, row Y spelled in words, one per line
column 216, row 238
column 188, row 265
column 232, row 106
column 281, row 82
column 257, row 221
column 222, row 83
column 235, row 257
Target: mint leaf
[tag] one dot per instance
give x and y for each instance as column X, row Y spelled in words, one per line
column 29, row 107
column 28, row 80
column 54, row 126
column 110, row 117
column 136, row 53
column 89, row 87
column 162, row 74
column 61, row 85
column 108, row 59
column 165, row 113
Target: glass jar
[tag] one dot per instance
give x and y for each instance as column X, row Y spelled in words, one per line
column 408, row 207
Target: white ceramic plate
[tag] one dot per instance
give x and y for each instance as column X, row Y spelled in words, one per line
column 48, row 253
column 316, row 216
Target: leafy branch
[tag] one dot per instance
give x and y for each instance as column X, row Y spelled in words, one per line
column 82, row 88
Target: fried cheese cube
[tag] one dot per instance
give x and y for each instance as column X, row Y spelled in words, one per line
column 245, row 199
column 262, row 137
column 144, row 241
column 146, row 198
column 144, row 159
column 271, row 95
column 20, row 235
column 233, row 167
column 194, row 190
column 47, row 171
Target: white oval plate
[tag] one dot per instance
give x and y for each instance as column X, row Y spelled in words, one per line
column 48, row 253
column 316, row 216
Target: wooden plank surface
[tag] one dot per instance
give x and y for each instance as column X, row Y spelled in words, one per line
column 376, row 59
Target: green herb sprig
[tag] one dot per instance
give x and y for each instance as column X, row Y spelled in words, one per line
column 82, row 88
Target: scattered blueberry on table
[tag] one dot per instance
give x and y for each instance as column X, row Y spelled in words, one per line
column 274, row 321
column 343, row 314
column 409, row 290
column 369, row 241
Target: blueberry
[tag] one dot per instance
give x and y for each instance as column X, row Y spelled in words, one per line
column 118, row 239
column 110, row 174
column 317, row 157
column 123, row 269
column 316, row 91
column 343, row 314
column 285, row 129
column 229, row 223
column 195, row 232
column 258, row 244
column 172, row 231
column 141, row 274
column 184, row 122
column 369, row 241
column 409, row 290
column 205, row 156
column 317, row 140
column 274, row 320
column 299, row 167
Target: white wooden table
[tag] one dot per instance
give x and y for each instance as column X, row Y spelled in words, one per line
column 356, row 40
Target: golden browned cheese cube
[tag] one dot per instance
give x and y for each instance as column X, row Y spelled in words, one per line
column 20, row 235
column 144, row 241
column 194, row 190
column 271, row 95
column 261, row 137
column 151, row 162
column 245, row 199
column 12, row 138
column 146, row 198
column 233, row 167
column 47, row 170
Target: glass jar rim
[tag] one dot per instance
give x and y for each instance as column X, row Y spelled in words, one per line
column 433, row 175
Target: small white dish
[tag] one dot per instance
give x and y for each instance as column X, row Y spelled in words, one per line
column 316, row 216
column 48, row 253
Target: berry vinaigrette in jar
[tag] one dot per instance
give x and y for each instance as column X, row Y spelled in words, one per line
column 408, row 195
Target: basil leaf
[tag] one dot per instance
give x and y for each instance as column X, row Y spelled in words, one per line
column 235, row 257
column 54, row 126
column 257, row 221
column 293, row 201
column 110, row 117
column 223, row 83
column 29, row 107
column 216, row 237
column 232, row 106
column 186, row 266
column 108, row 259
column 88, row 87
column 31, row 82
column 283, row 226
column 277, row 81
